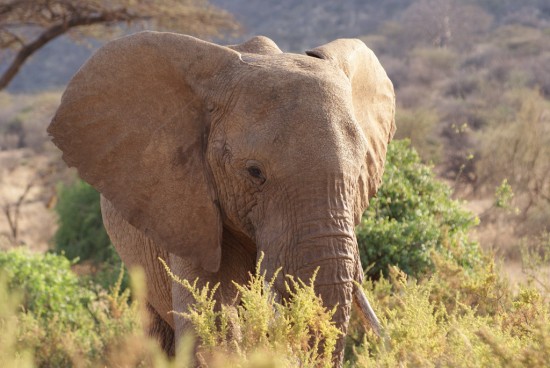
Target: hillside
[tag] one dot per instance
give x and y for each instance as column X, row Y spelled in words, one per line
column 293, row 25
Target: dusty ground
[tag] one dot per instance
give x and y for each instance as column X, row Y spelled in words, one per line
column 497, row 235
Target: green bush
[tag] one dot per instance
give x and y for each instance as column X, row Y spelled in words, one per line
column 412, row 215
column 49, row 286
column 61, row 320
column 11, row 355
column 81, row 233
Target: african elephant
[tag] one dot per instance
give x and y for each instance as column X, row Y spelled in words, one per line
column 207, row 155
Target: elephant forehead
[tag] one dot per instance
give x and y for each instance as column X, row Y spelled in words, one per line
column 289, row 76
column 293, row 89
column 295, row 116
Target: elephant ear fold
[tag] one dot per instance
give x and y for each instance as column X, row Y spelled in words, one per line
column 133, row 122
column 373, row 101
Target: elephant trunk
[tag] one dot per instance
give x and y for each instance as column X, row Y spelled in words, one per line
column 315, row 230
column 335, row 257
column 338, row 295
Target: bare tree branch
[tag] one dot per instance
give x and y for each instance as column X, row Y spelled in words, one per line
column 48, row 35
column 13, row 211
column 54, row 18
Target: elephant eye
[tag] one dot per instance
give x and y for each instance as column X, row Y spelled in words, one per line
column 255, row 172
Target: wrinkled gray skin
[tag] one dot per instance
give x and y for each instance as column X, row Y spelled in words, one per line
column 208, row 155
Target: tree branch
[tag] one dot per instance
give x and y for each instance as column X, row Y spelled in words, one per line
column 55, row 31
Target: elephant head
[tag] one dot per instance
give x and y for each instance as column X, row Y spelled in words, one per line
column 189, row 140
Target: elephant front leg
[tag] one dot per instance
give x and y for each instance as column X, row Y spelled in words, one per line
column 161, row 331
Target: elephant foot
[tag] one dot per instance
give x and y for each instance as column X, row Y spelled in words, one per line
column 161, row 331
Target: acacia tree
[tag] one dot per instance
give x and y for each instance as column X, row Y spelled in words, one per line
column 28, row 25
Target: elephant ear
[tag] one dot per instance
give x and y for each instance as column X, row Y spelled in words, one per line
column 373, row 102
column 133, row 122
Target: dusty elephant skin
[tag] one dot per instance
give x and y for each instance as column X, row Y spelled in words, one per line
column 207, row 155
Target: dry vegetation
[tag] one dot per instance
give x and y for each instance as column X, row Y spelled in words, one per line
column 29, row 170
column 452, row 317
column 474, row 97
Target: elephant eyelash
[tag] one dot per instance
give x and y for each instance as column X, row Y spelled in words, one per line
column 256, row 173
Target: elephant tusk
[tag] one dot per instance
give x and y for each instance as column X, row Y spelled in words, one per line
column 368, row 316
column 275, row 295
